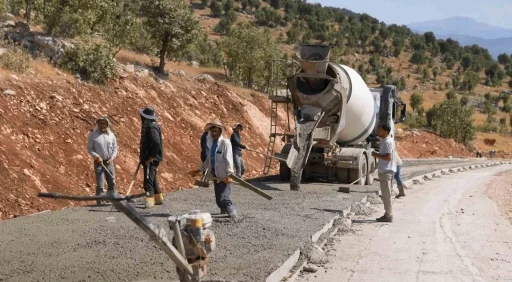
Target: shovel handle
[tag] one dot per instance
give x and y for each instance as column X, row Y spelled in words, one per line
column 133, row 180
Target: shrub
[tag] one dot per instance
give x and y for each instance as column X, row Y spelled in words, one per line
column 93, row 62
column 15, row 58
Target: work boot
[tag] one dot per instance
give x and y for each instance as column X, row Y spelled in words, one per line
column 233, row 214
column 385, row 218
column 159, row 199
column 149, row 202
column 400, row 195
column 100, row 202
column 113, row 193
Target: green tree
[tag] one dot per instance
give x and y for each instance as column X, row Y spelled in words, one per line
column 293, row 35
column 471, row 80
column 449, row 61
column 398, row 46
column 416, row 101
column 435, row 72
column 172, row 24
column 276, row 4
column 216, row 8
column 464, row 100
column 248, row 50
column 451, row 95
column 504, row 59
column 228, row 6
column 450, row 119
column 494, row 75
column 224, row 26
column 466, row 62
column 503, row 124
column 418, row 58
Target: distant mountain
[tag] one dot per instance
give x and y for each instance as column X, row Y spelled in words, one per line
column 468, row 31
column 462, row 26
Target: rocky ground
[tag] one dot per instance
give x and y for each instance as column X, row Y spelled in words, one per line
column 500, row 191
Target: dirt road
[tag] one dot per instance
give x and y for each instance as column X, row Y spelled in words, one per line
column 444, row 230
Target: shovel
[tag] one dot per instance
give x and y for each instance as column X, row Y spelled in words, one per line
column 266, row 155
column 242, row 183
column 346, row 189
column 133, row 180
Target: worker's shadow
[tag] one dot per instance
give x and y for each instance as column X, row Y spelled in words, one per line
column 328, row 210
column 364, row 221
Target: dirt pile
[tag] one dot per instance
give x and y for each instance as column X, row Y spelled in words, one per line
column 420, row 144
column 44, row 127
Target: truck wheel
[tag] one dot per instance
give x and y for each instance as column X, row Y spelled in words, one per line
column 358, row 173
column 371, row 167
column 284, row 172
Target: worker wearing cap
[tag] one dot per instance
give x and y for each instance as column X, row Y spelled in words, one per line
column 102, row 146
column 237, row 150
column 219, row 163
column 151, row 154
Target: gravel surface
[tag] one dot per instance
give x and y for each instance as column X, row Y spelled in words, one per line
column 101, row 244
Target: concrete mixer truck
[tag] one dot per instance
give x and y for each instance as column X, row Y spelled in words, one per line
column 337, row 117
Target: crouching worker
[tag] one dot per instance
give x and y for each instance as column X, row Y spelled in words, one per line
column 219, row 163
column 102, row 146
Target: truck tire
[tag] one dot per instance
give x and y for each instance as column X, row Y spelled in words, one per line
column 358, row 173
column 371, row 167
column 284, row 172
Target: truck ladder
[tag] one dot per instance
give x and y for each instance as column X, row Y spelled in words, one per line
column 277, row 81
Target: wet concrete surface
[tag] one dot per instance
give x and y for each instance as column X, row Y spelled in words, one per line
column 101, row 244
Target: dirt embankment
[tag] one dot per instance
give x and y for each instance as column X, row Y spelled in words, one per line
column 44, row 129
column 417, row 144
column 500, row 191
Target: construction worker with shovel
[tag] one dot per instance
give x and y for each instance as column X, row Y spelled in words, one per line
column 237, row 150
column 102, row 146
column 219, row 163
column 151, row 154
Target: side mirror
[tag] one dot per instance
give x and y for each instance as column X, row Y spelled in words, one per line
column 403, row 112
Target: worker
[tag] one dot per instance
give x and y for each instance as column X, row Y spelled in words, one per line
column 219, row 163
column 399, row 183
column 151, row 154
column 387, row 168
column 204, row 148
column 102, row 146
column 237, row 150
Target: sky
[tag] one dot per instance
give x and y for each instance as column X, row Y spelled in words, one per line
column 494, row 12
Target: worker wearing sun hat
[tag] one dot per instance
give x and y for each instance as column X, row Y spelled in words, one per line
column 151, row 154
column 219, row 163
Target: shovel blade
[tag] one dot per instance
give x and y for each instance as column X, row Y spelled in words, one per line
column 201, row 183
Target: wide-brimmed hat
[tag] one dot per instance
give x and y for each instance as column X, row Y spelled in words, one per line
column 215, row 123
column 238, row 124
column 207, row 126
column 148, row 113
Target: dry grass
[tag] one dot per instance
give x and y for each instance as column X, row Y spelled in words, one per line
column 503, row 142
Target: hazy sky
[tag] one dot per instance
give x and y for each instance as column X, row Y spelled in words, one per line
column 495, row 12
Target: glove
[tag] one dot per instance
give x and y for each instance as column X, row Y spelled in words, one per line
column 227, row 180
column 194, row 172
